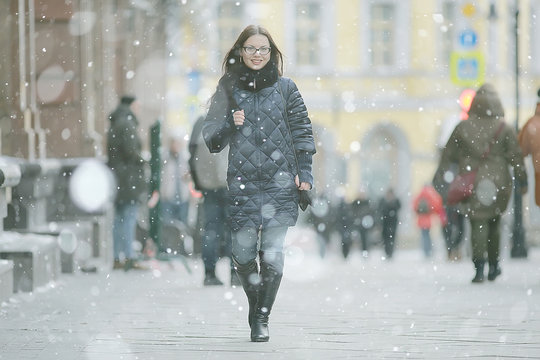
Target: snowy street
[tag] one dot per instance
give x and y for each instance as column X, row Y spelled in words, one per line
column 326, row 308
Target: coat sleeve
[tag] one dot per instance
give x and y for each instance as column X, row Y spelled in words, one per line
column 514, row 156
column 449, row 156
column 218, row 125
column 301, row 130
column 193, row 144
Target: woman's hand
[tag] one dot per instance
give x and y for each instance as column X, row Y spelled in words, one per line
column 238, row 117
column 152, row 202
column 301, row 186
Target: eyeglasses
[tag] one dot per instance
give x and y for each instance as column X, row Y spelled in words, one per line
column 251, row 50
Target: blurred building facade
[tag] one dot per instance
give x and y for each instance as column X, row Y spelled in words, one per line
column 65, row 64
column 381, row 78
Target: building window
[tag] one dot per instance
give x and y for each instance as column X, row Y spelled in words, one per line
column 230, row 14
column 384, row 35
column 308, row 33
column 382, row 42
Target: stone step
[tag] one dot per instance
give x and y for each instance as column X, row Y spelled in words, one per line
column 6, row 279
column 36, row 259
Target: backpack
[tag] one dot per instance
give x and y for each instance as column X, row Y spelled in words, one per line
column 208, row 170
column 423, row 207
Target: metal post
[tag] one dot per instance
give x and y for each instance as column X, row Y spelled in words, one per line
column 154, row 231
column 519, row 249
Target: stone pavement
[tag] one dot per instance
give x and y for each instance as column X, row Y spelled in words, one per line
column 407, row 308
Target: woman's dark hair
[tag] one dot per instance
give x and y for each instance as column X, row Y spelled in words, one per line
column 233, row 56
column 233, row 60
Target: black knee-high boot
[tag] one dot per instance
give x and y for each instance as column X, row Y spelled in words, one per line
column 271, row 274
column 249, row 278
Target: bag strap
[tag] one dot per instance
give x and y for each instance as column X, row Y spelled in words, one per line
column 493, row 140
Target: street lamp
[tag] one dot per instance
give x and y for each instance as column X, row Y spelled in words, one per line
column 519, row 249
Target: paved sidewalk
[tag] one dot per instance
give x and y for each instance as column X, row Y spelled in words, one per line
column 360, row 308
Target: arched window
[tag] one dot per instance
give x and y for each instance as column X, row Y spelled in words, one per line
column 385, row 161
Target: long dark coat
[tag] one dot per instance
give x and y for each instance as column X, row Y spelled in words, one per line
column 124, row 156
column 466, row 145
column 261, row 160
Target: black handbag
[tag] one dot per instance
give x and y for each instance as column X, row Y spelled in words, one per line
column 305, row 197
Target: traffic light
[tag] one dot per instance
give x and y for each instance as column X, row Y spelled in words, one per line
column 465, row 101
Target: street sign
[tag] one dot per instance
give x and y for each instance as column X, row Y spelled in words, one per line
column 467, row 68
column 468, row 39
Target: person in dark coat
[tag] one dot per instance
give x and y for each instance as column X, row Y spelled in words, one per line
column 344, row 223
column 355, row 221
column 262, row 117
column 363, row 220
column 322, row 217
column 209, row 175
column 389, row 207
column 124, row 158
column 470, row 139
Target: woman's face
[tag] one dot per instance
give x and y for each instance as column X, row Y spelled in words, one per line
column 256, row 52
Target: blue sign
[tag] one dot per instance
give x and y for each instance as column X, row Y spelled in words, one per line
column 468, row 39
column 467, row 68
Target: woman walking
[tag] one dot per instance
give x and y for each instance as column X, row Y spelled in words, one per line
column 486, row 143
column 263, row 119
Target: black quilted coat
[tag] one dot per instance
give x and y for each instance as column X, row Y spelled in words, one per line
column 262, row 166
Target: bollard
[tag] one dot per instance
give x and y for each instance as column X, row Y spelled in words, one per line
column 154, row 231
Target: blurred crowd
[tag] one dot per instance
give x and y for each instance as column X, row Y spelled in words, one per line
column 193, row 188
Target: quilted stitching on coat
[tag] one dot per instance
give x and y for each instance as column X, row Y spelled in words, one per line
column 261, row 159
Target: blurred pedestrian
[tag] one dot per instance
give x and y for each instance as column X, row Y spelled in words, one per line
column 484, row 141
column 127, row 164
column 344, row 222
column 363, row 214
column 356, row 220
column 426, row 204
column 321, row 216
column 209, row 174
column 389, row 207
column 454, row 230
column 529, row 140
column 262, row 117
column 175, row 179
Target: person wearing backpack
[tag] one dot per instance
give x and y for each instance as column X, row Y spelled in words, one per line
column 487, row 143
column 209, row 175
column 426, row 204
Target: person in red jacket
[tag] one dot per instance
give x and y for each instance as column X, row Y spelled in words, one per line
column 426, row 204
